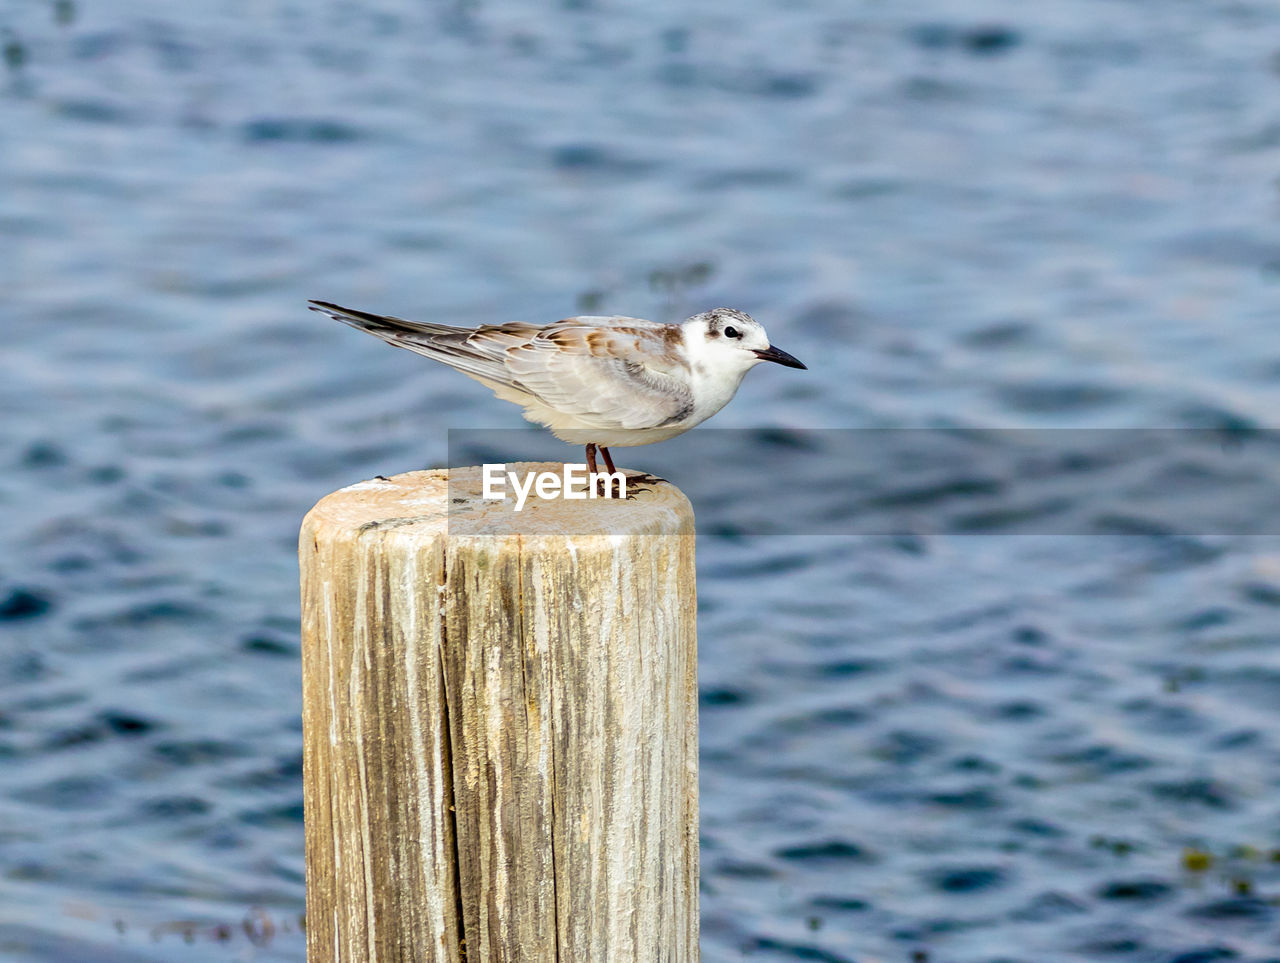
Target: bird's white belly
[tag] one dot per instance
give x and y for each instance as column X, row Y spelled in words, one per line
column 617, row 437
column 710, row 397
column 580, row 431
column 577, row 431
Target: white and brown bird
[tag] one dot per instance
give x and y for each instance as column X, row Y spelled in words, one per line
column 596, row 381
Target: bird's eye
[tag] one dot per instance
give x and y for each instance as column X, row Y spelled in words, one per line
column 732, row 332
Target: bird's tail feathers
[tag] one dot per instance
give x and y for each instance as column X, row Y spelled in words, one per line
column 441, row 342
column 383, row 325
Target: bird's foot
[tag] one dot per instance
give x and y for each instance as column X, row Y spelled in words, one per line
column 642, row 481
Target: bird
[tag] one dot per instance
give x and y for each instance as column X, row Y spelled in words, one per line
column 602, row 382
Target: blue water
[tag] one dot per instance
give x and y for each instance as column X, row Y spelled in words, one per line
column 934, row 746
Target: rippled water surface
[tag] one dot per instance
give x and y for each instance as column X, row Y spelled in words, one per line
column 940, row 745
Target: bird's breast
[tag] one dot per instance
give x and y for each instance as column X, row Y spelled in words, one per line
column 711, row 392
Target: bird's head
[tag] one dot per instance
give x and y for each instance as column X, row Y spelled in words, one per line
column 731, row 341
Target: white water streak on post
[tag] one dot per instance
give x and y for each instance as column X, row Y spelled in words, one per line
column 500, row 727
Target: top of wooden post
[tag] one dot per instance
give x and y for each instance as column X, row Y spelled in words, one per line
column 450, row 502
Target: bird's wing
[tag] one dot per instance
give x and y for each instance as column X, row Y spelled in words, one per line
column 614, row 372
column 620, row 374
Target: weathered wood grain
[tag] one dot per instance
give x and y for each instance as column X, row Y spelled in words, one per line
column 500, row 725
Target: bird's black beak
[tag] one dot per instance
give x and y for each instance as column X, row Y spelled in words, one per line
column 780, row 356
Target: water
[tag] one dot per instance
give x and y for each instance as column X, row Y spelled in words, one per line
column 934, row 746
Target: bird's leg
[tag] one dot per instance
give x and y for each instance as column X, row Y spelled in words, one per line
column 591, row 466
column 608, row 461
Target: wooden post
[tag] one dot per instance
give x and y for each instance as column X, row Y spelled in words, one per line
column 500, row 725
